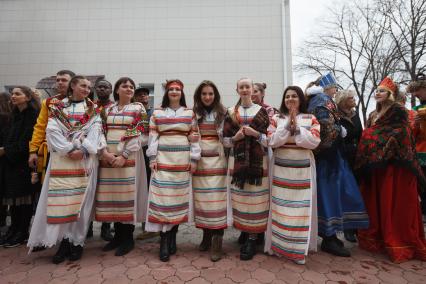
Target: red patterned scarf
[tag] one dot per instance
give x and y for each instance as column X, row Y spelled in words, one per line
column 389, row 140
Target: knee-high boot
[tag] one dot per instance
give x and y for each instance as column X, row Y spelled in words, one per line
column 164, row 246
column 172, row 240
column 126, row 243
column 216, row 249
column 207, row 240
column 115, row 240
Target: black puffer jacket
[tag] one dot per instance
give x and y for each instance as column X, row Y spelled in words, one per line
column 16, row 173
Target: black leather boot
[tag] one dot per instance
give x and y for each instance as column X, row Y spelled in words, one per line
column 248, row 250
column 115, row 242
column 260, row 239
column 242, row 239
column 76, row 252
column 127, row 243
column 332, row 246
column 207, row 240
column 172, row 240
column 164, row 246
column 63, row 252
column 106, row 234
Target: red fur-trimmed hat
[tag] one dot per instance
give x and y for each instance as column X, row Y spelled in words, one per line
column 388, row 85
column 174, row 83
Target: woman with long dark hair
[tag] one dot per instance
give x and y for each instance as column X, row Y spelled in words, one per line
column 173, row 150
column 293, row 135
column 209, row 180
column 66, row 201
column 244, row 132
column 122, row 190
column 18, row 190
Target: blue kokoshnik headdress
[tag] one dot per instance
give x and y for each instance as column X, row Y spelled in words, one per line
column 327, row 81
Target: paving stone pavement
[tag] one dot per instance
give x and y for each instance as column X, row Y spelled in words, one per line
column 191, row 266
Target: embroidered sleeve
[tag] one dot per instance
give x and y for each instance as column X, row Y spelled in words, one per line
column 309, row 138
column 330, row 130
column 138, row 126
column 93, row 139
column 152, row 139
column 56, row 140
column 278, row 132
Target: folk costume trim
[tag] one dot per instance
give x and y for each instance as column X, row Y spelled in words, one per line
column 57, row 106
column 248, row 152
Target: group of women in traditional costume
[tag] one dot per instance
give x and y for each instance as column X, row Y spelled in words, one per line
column 282, row 173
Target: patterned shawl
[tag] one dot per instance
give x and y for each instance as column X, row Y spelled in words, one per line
column 248, row 153
column 389, row 141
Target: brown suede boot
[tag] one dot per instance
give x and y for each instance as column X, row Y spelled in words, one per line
column 216, row 249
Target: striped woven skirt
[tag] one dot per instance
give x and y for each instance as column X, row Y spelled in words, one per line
column 250, row 206
column 115, row 195
column 170, row 184
column 289, row 228
column 209, row 187
column 67, row 186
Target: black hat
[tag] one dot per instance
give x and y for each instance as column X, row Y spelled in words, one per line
column 141, row 90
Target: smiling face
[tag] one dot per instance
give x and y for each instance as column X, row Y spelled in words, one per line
column 19, row 98
column 382, row 95
column 245, row 88
column 257, row 96
column 125, row 92
column 291, row 100
column 174, row 93
column 80, row 89
column 207, row 96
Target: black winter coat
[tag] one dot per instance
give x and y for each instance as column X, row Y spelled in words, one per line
column 354, row 131
column 4, row 128
column 17, row 174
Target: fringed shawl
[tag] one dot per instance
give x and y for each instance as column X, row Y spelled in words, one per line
column 248, row 152
column 389, row 141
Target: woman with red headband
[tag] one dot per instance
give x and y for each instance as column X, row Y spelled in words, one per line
column 389, row 175
column 173, row 151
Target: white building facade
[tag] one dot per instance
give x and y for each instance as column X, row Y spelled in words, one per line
column 149, row 41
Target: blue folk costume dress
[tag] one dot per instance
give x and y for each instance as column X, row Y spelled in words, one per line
column 340, row 205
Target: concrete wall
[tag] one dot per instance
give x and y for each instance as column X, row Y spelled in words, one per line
column 150, row 41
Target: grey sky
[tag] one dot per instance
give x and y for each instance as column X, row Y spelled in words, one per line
column 304, row 15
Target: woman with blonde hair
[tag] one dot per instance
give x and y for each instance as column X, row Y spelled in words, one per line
column 244, row 132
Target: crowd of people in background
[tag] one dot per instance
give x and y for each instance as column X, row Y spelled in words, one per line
column 285, row 177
